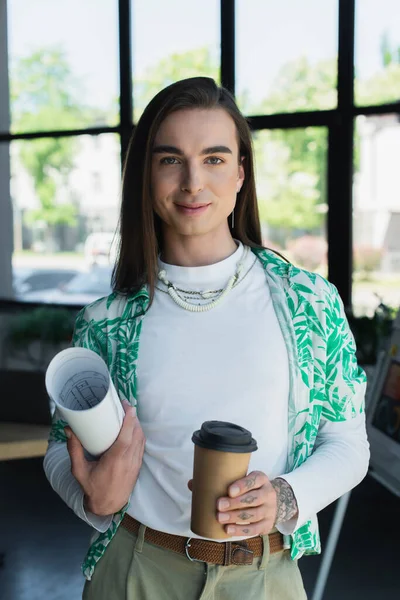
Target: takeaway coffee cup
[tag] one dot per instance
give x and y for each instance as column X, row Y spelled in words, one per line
column 79, row 383
column 221, row 456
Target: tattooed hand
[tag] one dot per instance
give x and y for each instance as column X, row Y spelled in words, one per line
column 256, row 504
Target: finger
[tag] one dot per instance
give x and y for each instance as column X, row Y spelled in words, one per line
column 123, row 442
column 253, row 481
column 244, row 516
column 261, row 528
column 126, row 405
column 248, row 500
column 137, row 433
column 137, row 444
column 79, row 464
column 125, row 435
column 190, row 485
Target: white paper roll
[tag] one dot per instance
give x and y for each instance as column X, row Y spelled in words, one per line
column 79, row 383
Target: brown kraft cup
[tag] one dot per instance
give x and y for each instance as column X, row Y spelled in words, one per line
column 221, row 457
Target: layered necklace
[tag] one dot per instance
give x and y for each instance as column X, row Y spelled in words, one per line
column 180, row 296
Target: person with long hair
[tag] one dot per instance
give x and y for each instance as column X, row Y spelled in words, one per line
column 205, row 323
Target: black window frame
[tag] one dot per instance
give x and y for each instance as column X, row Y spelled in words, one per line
column 339, row 122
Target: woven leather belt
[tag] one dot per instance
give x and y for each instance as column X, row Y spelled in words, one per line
column 218, row 553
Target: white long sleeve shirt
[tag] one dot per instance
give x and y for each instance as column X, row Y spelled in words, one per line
column 231, row 364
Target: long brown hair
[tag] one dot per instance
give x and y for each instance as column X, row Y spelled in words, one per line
column 140, row 227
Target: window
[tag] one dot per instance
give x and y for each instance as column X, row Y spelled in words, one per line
column 376, row 213
column 58, row 206
column 59, row 74
column 377, row 52
column 286, row 55
column 171, row 41
column 291, row 189
column 63, row 64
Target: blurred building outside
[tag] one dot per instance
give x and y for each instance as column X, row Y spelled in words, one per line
column 92, row 185
column 376, row 212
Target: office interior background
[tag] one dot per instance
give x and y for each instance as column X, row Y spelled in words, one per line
column 318, row 80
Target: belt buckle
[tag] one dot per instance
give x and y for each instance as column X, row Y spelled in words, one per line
column 238, row 553
column 187, row 546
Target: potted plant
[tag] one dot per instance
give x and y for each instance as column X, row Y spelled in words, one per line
column 34, row 334
column 371, row 333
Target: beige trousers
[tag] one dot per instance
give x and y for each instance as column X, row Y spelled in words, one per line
column 132, row 569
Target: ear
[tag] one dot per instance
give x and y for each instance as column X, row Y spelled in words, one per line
column 241, row 175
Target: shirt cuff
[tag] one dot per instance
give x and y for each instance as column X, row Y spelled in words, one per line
column 99, row 522
column 288, row 527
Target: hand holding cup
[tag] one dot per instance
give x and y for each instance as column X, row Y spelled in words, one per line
column 250, row 507
column 221, row 457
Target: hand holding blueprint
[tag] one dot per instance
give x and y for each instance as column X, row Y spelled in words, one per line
column 79, row 383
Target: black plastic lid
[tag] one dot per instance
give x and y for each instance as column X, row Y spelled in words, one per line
column 226, row 437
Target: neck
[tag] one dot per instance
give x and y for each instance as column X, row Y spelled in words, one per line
column 197, row 251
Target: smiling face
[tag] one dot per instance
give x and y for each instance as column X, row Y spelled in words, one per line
column 196, row 173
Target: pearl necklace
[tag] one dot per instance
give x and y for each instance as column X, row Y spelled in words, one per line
column 172, row 290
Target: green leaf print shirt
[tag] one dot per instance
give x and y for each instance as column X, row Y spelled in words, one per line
column 326, row 384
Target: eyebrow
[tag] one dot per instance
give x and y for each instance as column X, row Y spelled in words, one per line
column 164, row 149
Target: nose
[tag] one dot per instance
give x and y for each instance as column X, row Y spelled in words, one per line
column 192, row 182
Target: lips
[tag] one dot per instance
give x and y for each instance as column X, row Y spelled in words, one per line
column 193, row 206
column 192, row 209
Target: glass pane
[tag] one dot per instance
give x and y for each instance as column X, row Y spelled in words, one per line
column 65, row 197
column 184, row 42
column 63, row 63
column 291, row 188
column 286, row 55
column 376, row 214
column 377, row 52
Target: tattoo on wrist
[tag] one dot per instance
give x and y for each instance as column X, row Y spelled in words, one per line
column 286, row 501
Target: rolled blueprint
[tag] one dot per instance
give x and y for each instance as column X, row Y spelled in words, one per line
column 79, row 383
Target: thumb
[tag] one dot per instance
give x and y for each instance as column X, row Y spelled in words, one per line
column 78, row 461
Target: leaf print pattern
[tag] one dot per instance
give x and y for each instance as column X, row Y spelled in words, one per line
column 325, row 380
column 329, row 382
column 111, row 328
column 57, row 432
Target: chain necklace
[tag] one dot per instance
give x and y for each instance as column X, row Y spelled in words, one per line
column 194, row 295
column 173, row 291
